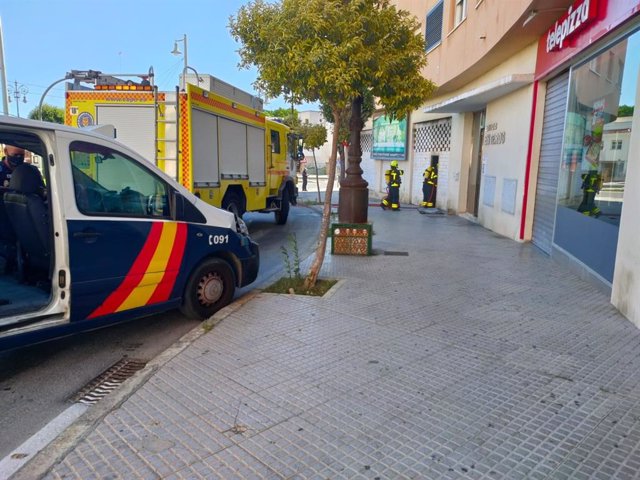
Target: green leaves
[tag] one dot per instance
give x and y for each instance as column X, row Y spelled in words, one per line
column 334, row 50
column 49, row 113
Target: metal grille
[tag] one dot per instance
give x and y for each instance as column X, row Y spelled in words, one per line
column 108, row 381
column 432, row 136
column 366, row 141
column 433, row 27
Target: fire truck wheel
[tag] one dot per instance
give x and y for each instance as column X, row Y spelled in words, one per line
column 234, row 204
column 283, row 213
column 210, row 288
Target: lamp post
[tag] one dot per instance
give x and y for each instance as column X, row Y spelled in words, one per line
column 176, row 51
column 16, row 92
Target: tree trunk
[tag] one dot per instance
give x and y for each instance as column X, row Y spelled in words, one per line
column 314, row 270
column 315, row 164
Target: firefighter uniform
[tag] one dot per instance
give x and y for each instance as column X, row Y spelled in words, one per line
column 429, row 185
column 591, row 184
column 393, row 176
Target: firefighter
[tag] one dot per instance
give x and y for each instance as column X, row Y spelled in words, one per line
column 393, row 177
column 429, row 186
column 591, row 184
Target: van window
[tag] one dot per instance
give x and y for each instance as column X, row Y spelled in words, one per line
column 275, row 141
column 107, row 182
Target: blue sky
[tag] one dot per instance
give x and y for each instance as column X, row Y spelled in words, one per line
column 44, row 39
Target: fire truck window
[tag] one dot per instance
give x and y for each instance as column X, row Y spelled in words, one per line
column 109, row 183
column 275, row 141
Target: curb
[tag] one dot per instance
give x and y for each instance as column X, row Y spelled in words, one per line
column 64, row 443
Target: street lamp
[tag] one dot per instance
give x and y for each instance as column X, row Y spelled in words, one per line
column 176, row 51
column 16, row 92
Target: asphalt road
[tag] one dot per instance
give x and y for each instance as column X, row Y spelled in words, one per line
column 38, row 383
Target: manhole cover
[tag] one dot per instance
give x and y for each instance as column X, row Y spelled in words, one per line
column 108, row 381
column 397, row 254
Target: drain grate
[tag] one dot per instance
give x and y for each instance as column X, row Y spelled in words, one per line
column 108, row 381
column 398, row 254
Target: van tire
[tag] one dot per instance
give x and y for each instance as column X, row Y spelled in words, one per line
column 283, row 213
column 210, row 287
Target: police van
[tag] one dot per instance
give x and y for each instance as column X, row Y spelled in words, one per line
column 96, row 235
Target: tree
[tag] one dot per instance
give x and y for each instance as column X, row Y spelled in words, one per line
column 336, row 52
column 283, row 113
column 625, row 111
column 368, row 107
column 314, row 137
column 49, row 113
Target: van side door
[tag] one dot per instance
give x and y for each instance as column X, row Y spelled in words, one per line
column 125, row 250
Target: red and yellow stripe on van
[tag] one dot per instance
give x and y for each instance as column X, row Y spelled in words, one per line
column 153, row 273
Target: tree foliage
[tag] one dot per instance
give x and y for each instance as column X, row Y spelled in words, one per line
column 333, row 51
column 50, row 113
column 336, row 52
column 283, row 113
column 625, row 110
column 314, row 136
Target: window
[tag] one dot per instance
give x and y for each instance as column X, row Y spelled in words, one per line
column 106, row 182
column 616, row 145
column 433, row 27
column 460, row 11
column 275, row 141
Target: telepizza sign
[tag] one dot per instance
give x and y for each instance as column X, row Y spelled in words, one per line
column 583, row 24
column 577, row 17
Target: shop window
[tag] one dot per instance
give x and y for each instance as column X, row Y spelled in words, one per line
column 433, row 27
column 595, row 154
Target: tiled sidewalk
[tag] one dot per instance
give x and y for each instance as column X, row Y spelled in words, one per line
column 472, row 356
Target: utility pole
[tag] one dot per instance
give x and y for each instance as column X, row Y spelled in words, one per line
column 17, row 91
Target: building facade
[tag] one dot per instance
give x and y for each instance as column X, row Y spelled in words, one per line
column 533, row 128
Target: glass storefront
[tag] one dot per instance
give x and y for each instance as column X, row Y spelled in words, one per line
column 596, row 153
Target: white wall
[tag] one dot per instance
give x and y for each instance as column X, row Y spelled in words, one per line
column 505, row 161
column 322, row 154
column 625, row 293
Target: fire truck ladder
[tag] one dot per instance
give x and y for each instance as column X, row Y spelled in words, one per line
column 167, row 128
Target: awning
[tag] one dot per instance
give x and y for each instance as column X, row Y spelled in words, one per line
column 478, row 98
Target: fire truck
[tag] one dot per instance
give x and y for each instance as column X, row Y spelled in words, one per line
column 210, row 136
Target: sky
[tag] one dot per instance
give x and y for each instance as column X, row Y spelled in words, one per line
column 44, row 39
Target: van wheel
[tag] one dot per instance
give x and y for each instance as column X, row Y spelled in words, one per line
column 283, row 213
column 233, row 202
column 210, row 287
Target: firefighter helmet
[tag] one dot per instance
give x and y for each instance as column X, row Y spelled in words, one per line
column 394, row 163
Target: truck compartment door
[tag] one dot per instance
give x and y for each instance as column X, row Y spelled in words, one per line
column 255, row 147
column 204, row 144
column 232, row 138
column 135, row 126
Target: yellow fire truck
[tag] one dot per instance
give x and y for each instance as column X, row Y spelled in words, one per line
column 210, row 136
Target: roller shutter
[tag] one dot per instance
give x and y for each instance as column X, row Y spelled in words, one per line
column 555, row 108
column 135, row 126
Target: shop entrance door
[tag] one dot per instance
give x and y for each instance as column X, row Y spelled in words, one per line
column 475, row 166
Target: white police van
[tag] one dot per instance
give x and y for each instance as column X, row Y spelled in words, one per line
column 98, row 235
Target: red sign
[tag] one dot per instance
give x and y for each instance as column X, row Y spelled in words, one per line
column 576, row 18
column 586, row 22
